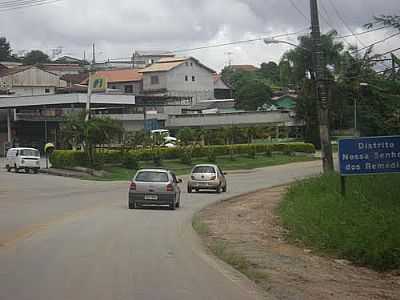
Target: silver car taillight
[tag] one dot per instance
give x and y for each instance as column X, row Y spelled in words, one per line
column 170, row 188
column 132, row 186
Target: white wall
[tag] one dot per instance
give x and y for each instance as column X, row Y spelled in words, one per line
column 33, row 90
column 34, row 77
column 162, row 81
column 200, row 89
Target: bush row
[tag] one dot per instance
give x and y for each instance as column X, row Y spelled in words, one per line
column 69, row 158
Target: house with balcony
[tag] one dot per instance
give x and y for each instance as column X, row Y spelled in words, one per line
column 185, row 78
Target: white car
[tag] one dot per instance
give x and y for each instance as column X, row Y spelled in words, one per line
column 27, row 159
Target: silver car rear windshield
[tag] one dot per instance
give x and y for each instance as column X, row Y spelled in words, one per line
column 29, row 152
column 149, row 176
column 204, row 169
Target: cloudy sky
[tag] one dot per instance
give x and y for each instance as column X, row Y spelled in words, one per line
column 118, row 27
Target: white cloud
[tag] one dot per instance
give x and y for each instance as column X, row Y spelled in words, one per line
column 119, row 27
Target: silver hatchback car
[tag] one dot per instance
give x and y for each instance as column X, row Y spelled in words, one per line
column 207, row 177
column 154, row 187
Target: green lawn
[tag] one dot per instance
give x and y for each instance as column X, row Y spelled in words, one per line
column 239, row 163
column 363, row 226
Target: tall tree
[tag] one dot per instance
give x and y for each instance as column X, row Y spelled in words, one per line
column 5, row 49
column 252, row 94
column 270, row 71
column 301, row 61
column 35, row 57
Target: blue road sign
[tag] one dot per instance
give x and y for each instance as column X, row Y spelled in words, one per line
column 374, row 155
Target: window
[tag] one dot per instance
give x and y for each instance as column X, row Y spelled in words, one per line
column 191, row 64
column 149, row 176
column 204, row 169
column 186, row 78
column 47, row 90
column 187, row 64
column 193, row 78
column 154, row 79
column 128, row 89
column 29, row 152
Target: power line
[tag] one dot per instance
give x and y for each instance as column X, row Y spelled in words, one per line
column 350, row 30
column 388, row 52
column 377, row 42
column 25, row 4
column 361, row 33
column 299, row 10
column 223, row 44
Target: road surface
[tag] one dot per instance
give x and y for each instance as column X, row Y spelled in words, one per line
column 63, row 238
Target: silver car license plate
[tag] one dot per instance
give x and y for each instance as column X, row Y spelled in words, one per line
column 151, row 197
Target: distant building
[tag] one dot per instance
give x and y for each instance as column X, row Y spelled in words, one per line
column 142, row 59
column 246, row 68
column 179, row 77
column 126, row 80
column 69, row 60
column 63, row 69
column 30, row 81
column 139, row 60
column 10, row 64
column 285, row 102
column 221, row 89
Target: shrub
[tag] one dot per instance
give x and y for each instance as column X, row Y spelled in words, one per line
column 268, row 152
column 252, row 151
column 130, row 161
column 211, row 157
column 186, row 156
column 69, row 158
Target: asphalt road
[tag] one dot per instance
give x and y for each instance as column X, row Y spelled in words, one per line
column 63, row 238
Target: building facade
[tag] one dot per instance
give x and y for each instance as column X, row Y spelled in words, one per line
column 179, row 77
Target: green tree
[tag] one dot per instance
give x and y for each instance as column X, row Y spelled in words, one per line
column 35, row 57
column 300, row 58
column 5, row 49
column 87, row 134
column 270, row 71
column 252, row 94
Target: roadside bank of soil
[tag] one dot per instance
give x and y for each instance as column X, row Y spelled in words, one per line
column 246, row 232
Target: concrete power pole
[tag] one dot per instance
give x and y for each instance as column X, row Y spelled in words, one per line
column 90, row 84
column 320, row 75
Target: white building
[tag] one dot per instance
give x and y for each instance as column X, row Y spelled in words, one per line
column 179, row 77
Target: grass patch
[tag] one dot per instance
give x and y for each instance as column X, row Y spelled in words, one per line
column 200, row 227
column 223, row 251
column 363, row 226
column 240, row 162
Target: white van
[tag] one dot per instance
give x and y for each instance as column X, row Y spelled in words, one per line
column 23, row 158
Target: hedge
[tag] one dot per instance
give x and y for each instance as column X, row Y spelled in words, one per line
column 70, row 158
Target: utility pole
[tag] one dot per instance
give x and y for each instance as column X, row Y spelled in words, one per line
column 133, row 60
column 393, row 67
column 90, row 84
column 320, row 75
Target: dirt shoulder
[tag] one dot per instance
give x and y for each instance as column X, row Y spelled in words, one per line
column 246, row 232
